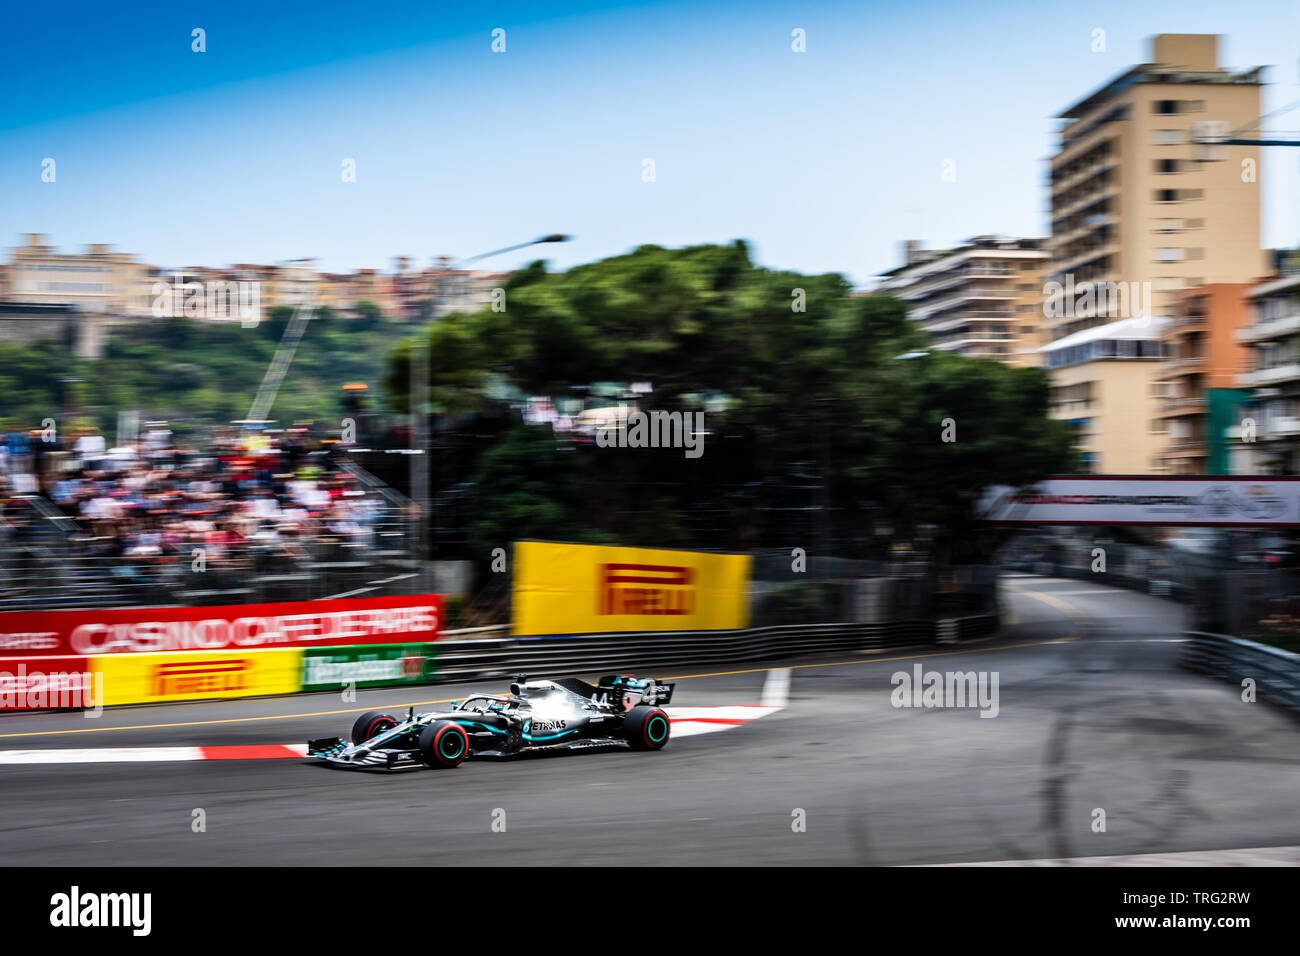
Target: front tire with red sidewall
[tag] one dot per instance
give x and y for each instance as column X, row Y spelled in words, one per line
column 646, row 728
column 444, row 743
column 371, row 724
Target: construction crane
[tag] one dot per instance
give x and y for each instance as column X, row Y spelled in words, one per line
column 275, row 372
column 1213, row 133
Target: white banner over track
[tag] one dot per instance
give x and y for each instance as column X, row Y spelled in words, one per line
column 1243, row 502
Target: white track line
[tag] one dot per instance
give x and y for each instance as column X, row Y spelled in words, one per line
column 776, row 689
column 1258, row 856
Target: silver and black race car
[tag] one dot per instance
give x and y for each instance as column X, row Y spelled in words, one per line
column 566, row 714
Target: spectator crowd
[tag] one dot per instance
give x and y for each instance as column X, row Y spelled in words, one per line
column 249, row 501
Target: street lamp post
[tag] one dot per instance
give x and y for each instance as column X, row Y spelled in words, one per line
column 419, row 474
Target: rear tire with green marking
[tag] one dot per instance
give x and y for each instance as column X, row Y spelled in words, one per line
column 444, row 743
column 646, row 728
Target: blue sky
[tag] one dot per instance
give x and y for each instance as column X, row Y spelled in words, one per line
column 823, row 160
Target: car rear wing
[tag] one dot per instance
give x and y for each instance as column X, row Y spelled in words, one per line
column 625, row 689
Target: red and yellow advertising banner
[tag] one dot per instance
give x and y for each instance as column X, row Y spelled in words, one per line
column 592, row 589
column 150, row 678
column 391, row 620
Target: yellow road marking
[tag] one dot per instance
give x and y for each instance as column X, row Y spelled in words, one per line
column 1080, row 619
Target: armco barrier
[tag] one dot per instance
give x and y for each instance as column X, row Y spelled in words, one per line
column 1276, row 672
column 208, row 675
column 543, row 656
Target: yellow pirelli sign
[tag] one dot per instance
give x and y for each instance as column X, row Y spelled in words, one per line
column 590, row 589
column 198, row 675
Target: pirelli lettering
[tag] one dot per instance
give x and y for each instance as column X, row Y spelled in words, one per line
column 216, row 678
column 646, row 589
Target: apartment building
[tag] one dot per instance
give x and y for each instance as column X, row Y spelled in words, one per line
column 1266, row 438
column 1200, row 391
column 1134, row 199
column 460, row 290
column 982, row 298
column 97, row 280
column 344, row 291
column 1102, row 384
column 1142, row 211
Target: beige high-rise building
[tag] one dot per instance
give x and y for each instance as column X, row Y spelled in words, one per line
column 982, row 298
column 1135, row 199
column 1142, row 209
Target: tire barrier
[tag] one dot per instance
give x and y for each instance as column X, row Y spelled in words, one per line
column 1276, row 672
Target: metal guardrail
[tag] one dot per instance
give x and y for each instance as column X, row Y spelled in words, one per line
column 1276, row 672
column 543, row 656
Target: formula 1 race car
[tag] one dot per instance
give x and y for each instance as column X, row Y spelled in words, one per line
column 566, row 714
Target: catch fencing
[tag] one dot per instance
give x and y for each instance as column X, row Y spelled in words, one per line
column 556, row 656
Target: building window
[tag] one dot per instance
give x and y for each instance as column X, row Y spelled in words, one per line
column 1165, row 195
column 1164, row 106
column 1167, row 255
column 1166, row 137
column 1165, row 166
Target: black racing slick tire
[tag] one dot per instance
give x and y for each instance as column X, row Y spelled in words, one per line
column 444, row 743
column 646, row 728
column 369, row 724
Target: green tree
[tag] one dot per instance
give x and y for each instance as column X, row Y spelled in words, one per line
column 802, row 376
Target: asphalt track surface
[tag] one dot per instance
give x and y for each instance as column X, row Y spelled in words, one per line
column 1093, row 713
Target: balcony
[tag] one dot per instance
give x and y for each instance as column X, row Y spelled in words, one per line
column 1069, row 261
column 929, row 285
column 948, row 323
column 1183, row 363
column 1273, row 328
column 923, row 312
column 1188, row 323
column 1269, row 376
column 1083, row 173
column 1077, row 203
column 1187, row 405
column 1281, row 427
